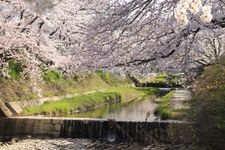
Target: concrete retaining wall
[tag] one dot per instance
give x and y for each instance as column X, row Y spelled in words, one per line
column 118, row 131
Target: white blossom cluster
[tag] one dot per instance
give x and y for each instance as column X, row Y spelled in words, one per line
column 193, row 7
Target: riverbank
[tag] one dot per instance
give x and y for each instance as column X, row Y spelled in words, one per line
column 174, row 105
column 84, row 103
column 76, row 104
column 55, row 83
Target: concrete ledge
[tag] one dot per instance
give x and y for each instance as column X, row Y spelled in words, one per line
column 109, row 130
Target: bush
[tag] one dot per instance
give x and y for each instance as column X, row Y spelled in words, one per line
column 167, row 79
column 208, row 108
column 163, row 109
column 15, row 69
column 52, row 75
column 161, row 78
column 112, row 79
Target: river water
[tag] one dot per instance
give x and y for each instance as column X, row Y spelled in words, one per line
column 140, row 111
column 81, row 144
column 134, row 111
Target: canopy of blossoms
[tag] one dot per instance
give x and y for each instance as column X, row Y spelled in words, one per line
column 186, row 8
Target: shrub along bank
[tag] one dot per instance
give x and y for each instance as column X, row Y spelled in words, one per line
column 208, row 108
column 163, row 110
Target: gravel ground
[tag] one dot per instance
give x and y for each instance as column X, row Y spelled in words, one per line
column 79, row 144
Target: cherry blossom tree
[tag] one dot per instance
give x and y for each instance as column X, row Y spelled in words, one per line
column 141, row 35
column 157, row 35
column 40, row 34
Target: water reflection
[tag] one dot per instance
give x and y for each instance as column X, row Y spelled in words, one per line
column 135, row 111
column 142, row 111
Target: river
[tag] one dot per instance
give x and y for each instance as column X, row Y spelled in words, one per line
column 81, row 144
column 134, row 111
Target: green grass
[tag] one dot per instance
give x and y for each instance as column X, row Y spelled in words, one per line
column 15, row 69
column 87, row 102
column 111, row 79
column 130, row 94
column 54, row 84
column 64, row 86
column 164, row 78
column 51, row 75
column 161, row 78
column 18, row 87
column 163, row 109
column 70, row 105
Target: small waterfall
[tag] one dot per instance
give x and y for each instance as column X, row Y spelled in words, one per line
column 112, row 131
column 99, row 129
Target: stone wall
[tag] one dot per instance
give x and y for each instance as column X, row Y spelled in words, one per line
column 109, row 130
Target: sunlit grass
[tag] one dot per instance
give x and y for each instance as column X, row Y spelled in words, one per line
column 71, row 105
column 163, row 109
column 88, row 102
column 129, row 94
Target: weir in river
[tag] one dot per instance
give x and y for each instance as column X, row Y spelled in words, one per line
column 100, row 129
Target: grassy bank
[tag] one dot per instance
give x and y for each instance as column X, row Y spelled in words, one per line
column 170, row 79
column 163, row 110
column 55, row 83
column 167, row 110
column 75, row 104
column 83, row 103
column 129, row 94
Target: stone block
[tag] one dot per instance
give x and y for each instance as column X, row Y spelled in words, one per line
column 14, row 107
column 4, row 110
